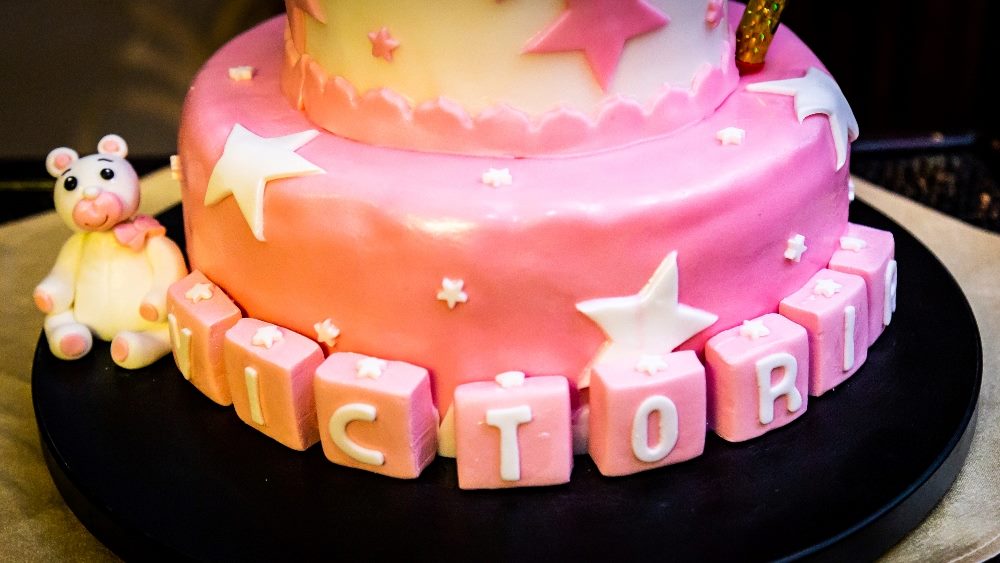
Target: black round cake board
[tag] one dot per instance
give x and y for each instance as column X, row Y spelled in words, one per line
column 157, row 471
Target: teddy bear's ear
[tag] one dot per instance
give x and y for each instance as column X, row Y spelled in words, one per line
column 59, row 160
column 113, row 145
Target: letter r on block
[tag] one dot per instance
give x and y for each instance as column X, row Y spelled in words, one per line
column 770, row 393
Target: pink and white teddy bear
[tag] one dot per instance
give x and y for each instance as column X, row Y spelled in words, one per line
column 112, row 275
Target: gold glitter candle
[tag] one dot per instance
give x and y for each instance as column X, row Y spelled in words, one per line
column 756, row 30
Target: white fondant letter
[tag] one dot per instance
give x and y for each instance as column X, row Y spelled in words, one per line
column 253, row 395
column 507, row 420
column 338, row 432
column 180, row 338
column 668, row 429
column 891, row 281
column 768, row 393
column 850, row 325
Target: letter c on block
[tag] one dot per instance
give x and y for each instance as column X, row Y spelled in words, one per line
column 338, row 432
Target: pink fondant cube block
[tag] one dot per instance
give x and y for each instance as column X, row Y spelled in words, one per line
column 199, row 314
column 640, row 420
column 868, row 253
column 758, row 377
column 514, row 432
column 833, row 308
column 376, row 415
column 270, row 371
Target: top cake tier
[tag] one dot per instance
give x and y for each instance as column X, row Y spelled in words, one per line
column 507, row 77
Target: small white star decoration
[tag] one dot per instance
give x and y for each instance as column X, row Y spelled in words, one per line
column 241, row 73
column 267, row 336
column 818, row 93
column 371, row 368
column 731, row 136
column 851, row 188
column 327, row 332
column 497, row 177
column 651, row 321
column 510, row 379
column 451, row 292
column 853, row 244
column 827, row 288
column 175, row 167
column 796, row 248
column 199, row 292
column 248, row 163
column 754, row 329
column 650, row 364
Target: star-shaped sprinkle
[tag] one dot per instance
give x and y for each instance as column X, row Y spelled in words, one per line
column 650, row 364
column 713, row 14
column 510, row 379
column 267, row 336
column 241, row 73
column 651, row 321
column 451, row 292
column 850, row 190
column 327, row 332
column 248, row 163
column 599, row 28
column 818, row 93
column 796, row 248
column 731, row 136
column 497, row 177
column 371, row 368
column 754, row 329
column 853, row 244
column 827, row 288
column 175, row 167
column 383, row 44
column 199, row 292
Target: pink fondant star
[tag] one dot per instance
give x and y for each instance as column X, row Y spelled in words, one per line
column 383, row 43
column 600, row 29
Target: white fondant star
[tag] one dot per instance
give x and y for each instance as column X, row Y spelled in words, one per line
column 651, row 364
column 827, row 288
column 175, row 167
column 851, row 243
column 850, row 190
column 267, row 336
column 327, row 332
column 510, row 379
column 371, row 368
column 199, row 292
column 241, row 73
column 497, row 177
column 754, row 329
column 451, row 292
column 818, row 93
column 796, row 248
column 731, row 136
column 651, row 321
column 248, row 163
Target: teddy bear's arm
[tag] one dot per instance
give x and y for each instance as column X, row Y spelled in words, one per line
column 168, row 266
column 56, row 292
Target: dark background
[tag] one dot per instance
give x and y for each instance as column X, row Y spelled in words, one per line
column 916, row 73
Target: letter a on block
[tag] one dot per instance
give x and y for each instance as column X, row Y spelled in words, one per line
column 768, row 393
column 338, row 432
column 668, row 429
column 507, row 421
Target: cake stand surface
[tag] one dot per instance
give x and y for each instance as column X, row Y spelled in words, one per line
column 157, row 471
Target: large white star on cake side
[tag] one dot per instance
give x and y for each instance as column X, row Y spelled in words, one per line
column 651, row 321
column 818, row 93
column 249, row 162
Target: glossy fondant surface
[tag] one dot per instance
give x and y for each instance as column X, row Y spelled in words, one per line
column 367, row 243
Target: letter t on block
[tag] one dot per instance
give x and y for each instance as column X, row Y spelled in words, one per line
column 507, row 420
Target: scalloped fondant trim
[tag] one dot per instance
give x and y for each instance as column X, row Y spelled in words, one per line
column 386, row 118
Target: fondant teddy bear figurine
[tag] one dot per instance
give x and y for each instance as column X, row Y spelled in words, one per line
column 112, row 275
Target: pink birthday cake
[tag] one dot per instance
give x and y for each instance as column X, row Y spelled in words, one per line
column 511, row 231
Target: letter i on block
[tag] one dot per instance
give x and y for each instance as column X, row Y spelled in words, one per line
column 270, row 371
column 375, row 414
column 833, row 308
column 199, row 314
column 514, row 432
column 646, row 413
column 758, row 377
column 868, row 253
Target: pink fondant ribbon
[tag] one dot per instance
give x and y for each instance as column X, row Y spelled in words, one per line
column 136, row 232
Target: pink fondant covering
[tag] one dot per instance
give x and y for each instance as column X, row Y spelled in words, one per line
column 367, row 243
